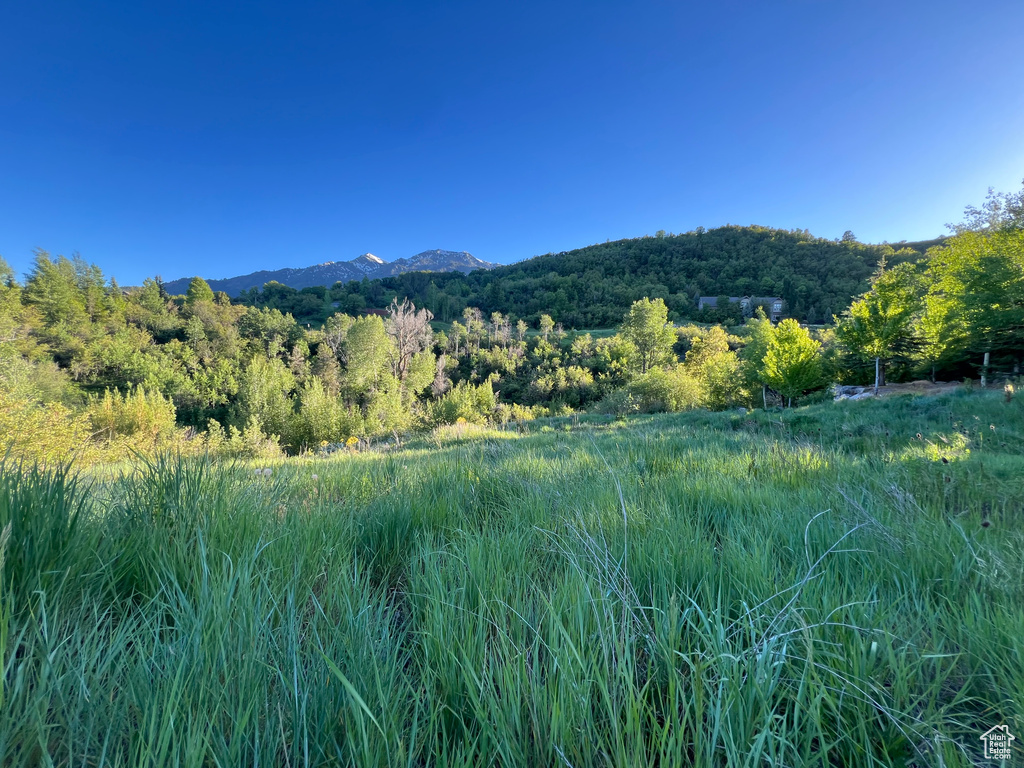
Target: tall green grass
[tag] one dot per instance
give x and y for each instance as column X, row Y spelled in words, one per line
column 837, row 585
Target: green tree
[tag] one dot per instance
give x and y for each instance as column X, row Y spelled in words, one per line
column 759, row 333
column 410, row 334
column 707, row 346
column 324, row 366
column 198, row 290
column 879, row 324
column 10, row 303
column 792, row 362
column 975, row 300
column 710, row 361
column 421, row 372
column 264, row 392
column 321, row 417
column 335, row 331
column 368, row 352
column 386, row 409
column 937, row 331
column 269, row 326
column 646, row 326
column 52, row 288
column 547, row 324
column 1001, row 211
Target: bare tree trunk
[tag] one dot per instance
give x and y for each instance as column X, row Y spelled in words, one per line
column 984, row 372
column 764, row 395
column 878, row 373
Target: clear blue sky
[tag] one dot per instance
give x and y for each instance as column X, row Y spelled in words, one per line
column 177, row 138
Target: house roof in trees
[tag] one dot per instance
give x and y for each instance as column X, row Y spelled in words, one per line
column 775, row 304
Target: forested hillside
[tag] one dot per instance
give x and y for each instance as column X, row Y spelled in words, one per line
column 592, row 287
column 85, row 362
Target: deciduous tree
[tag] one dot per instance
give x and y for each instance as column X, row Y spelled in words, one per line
column 647, row 328
column 410, row 334
column 879, row 324
column 792, row 362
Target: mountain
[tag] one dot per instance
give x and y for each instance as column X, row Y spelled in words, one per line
column 592, row 287
column 434, row 261
column 331, row 272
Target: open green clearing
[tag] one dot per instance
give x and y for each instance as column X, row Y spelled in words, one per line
column 837, row 584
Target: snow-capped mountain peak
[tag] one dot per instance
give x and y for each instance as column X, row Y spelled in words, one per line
column 329, row 272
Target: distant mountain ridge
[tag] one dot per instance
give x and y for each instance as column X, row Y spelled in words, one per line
column 593, row 287
column 331, row 272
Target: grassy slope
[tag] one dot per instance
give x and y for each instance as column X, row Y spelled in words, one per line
column 768, row 586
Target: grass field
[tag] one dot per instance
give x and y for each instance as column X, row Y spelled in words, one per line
column 838, row 584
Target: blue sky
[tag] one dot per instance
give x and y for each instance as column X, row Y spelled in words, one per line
column 185, row 137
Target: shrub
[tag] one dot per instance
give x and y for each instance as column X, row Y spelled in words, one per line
column 41, row 433
column 322, row 418
column 475, row 404
column 249, row 443
column 655, row 391
column 144, row 417
column 722, row 381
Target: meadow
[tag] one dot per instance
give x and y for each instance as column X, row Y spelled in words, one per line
column 838, row 584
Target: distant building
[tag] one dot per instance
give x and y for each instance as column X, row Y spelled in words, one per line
column 774, row 307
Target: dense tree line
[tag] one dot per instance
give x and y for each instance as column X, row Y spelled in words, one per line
column 960, row 312
column 85, row 362
column 593, row 287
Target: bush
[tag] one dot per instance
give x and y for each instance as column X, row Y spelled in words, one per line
column 464, row 401
column 250, row 443
column 41, row 433
column 656, row 391
column 138, row 422
column 144, row 417
column 322, row 418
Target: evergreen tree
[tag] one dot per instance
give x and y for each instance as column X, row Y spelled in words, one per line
column 198, row 290
column 52, row 288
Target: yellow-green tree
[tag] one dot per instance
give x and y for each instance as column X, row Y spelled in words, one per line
column 792, row 361
column 647, row 328
column 198, row 290
column 368, row 346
